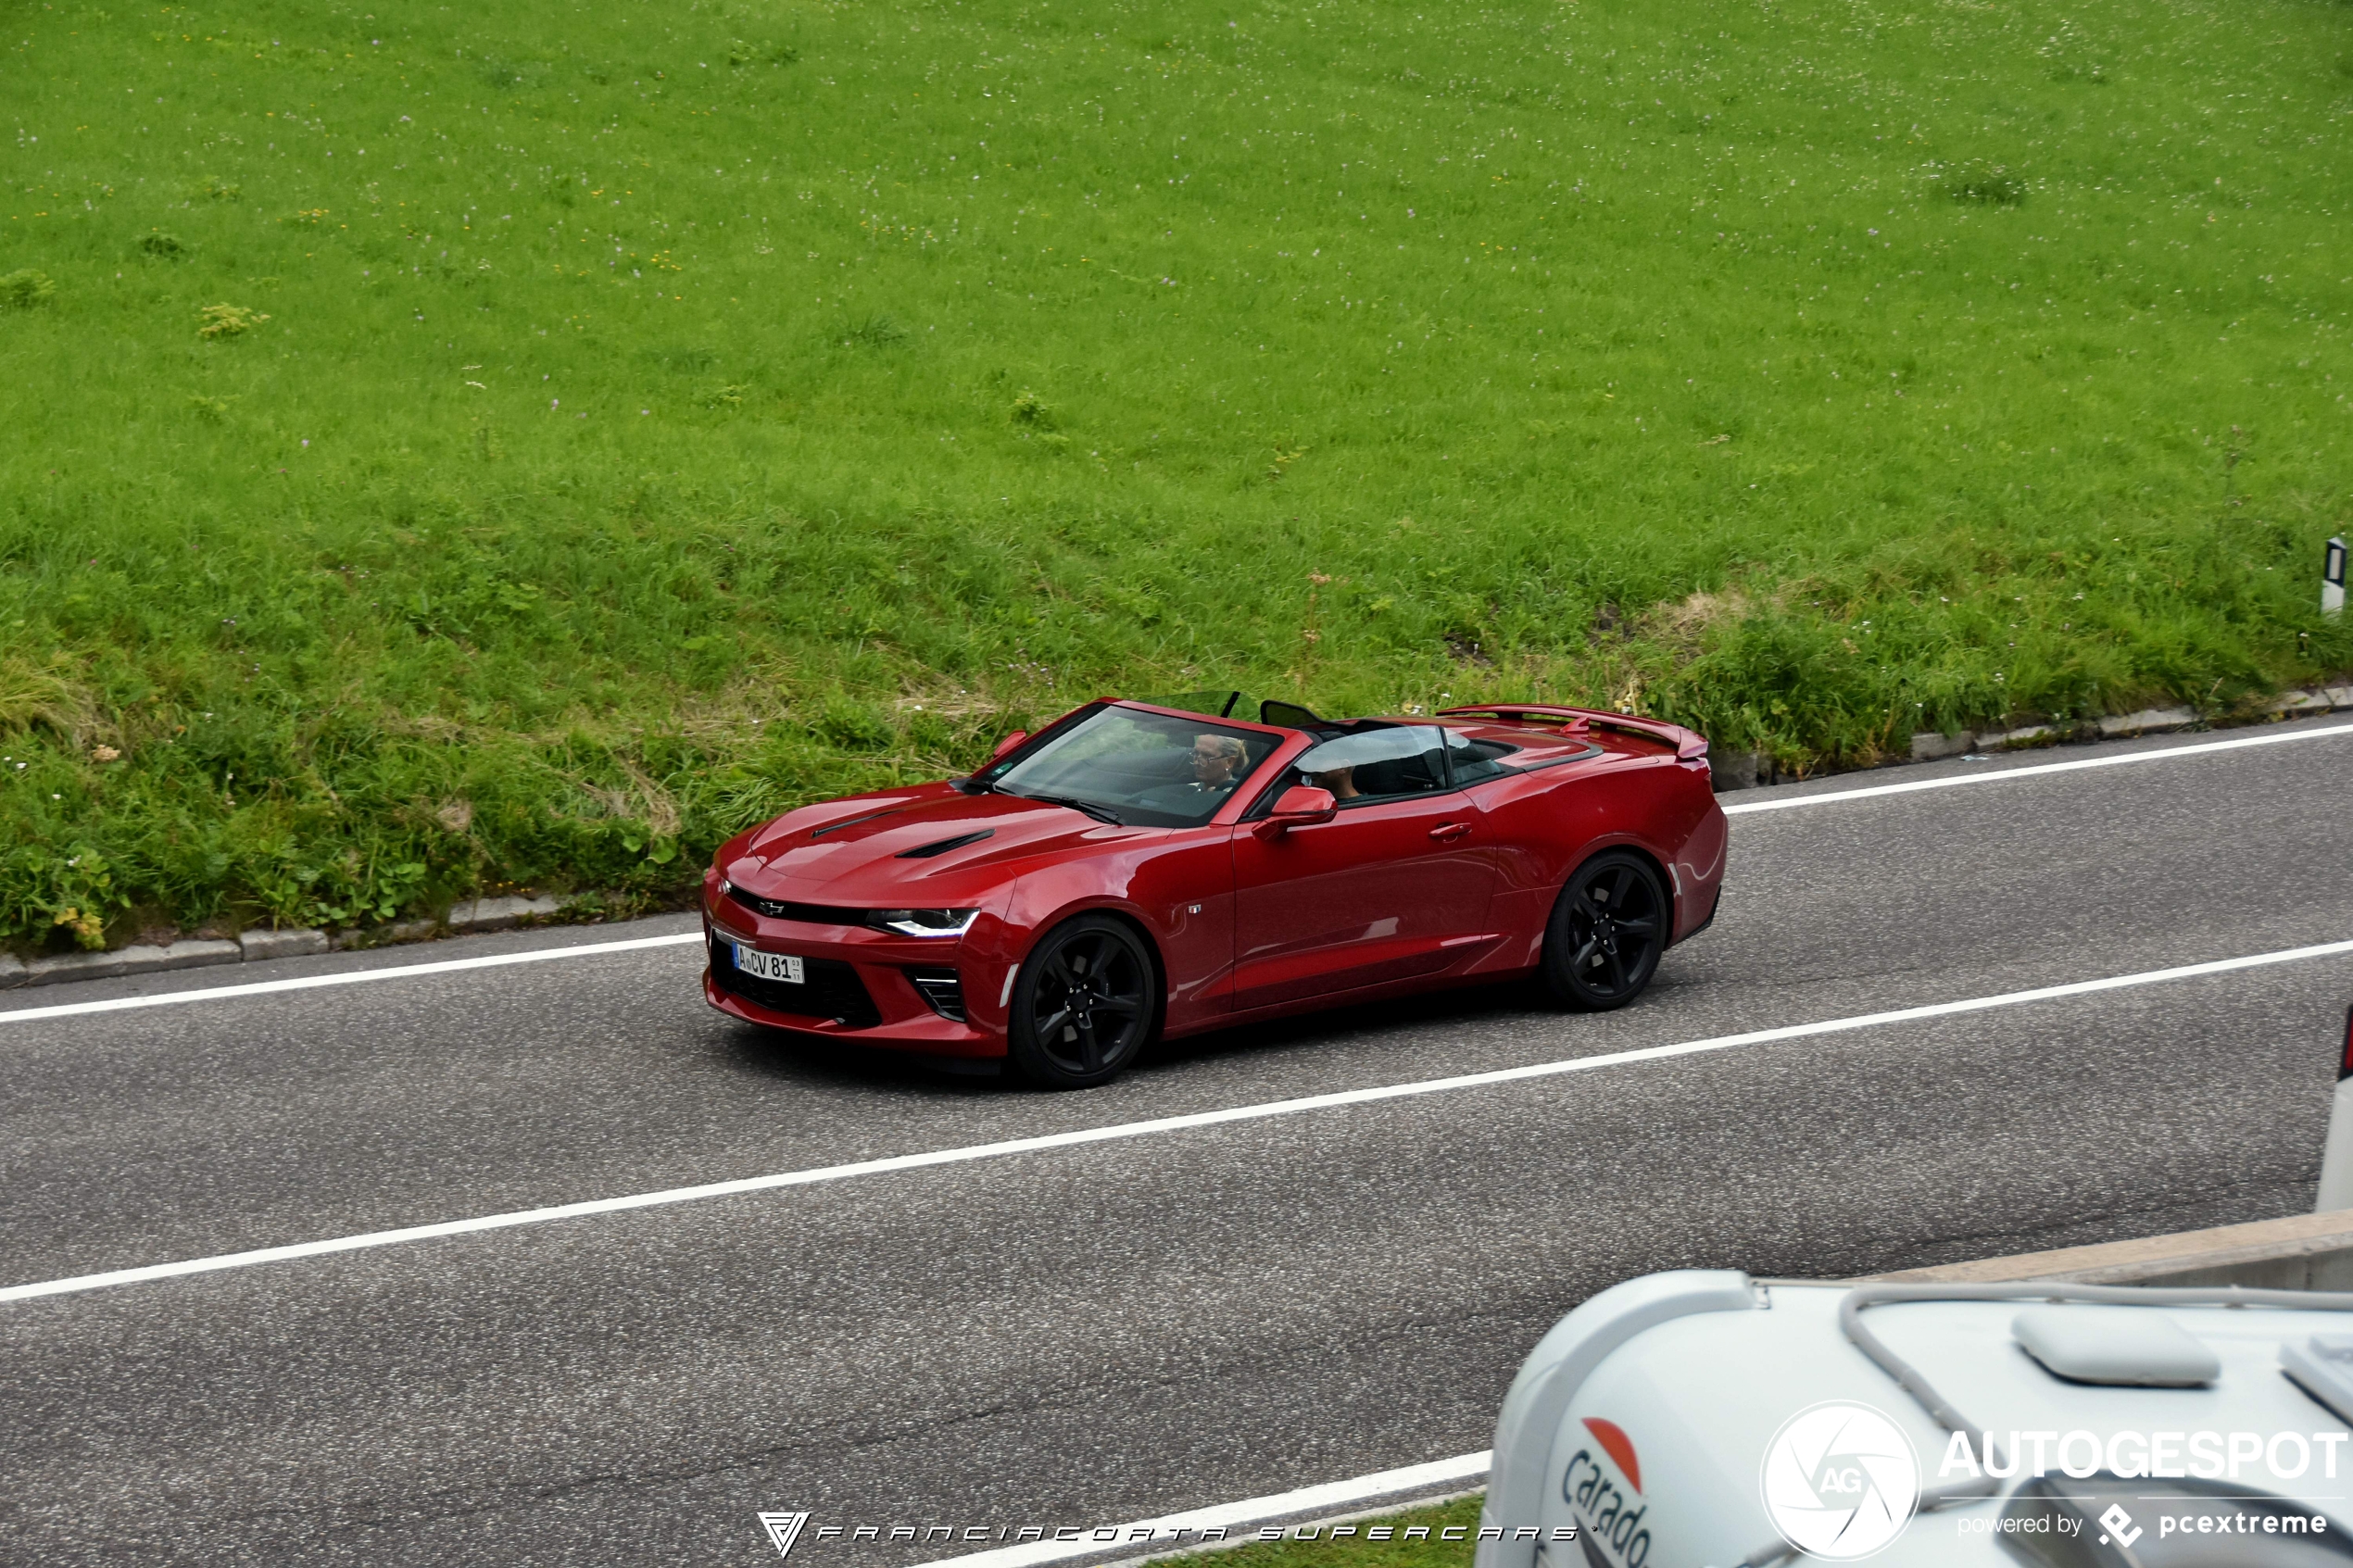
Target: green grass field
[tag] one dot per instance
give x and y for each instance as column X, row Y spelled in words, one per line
column 1353, row 1551
column 449, row 450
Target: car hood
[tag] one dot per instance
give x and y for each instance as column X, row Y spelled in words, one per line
column 856, row 852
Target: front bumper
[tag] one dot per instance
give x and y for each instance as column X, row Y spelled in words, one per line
column 898, row 993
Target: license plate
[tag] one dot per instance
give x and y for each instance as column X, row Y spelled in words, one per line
column 767, row 966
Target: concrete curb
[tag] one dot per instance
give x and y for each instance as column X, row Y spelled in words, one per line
column 500, row 914
column 137, row 960
column 2298, row 1252
column 252, row 946
column 257, row 945
column 1747, row 770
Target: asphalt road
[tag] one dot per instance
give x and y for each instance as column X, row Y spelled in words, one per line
column 1123, row 1329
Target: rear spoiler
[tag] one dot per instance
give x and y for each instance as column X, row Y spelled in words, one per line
column 1689, row 746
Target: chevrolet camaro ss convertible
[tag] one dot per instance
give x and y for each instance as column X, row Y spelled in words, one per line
column 1157, row 869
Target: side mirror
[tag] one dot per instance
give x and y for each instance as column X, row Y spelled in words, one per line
column 1009, row 742
column 1298, row 807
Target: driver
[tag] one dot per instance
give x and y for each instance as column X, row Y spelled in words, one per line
column 1218, row 763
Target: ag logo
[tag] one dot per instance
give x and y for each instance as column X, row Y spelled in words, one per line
column 783, row 1530
column 1840, row 1480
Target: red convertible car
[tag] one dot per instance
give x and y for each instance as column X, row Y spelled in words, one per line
column 1143, row 869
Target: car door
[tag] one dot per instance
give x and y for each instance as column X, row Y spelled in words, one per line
column 1396, row 885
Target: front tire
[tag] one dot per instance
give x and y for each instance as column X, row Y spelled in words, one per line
column 1607, row 931
column 1084, row 1006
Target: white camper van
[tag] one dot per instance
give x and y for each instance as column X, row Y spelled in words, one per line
column 1704, row 1419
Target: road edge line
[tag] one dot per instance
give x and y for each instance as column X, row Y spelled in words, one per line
column 346, row 977
column 2002, row 775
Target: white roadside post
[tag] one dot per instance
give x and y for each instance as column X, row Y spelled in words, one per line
column 2336, row 1154
column 2333, row 579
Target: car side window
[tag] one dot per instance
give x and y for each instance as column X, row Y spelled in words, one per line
column 1475, row 759
column 1390, row 763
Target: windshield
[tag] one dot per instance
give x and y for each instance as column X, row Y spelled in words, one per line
column 1217, row 705
column 1239, row 705
column 1150, row 770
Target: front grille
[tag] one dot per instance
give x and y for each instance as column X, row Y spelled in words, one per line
column 942, row 989
column 832, row 989
column 814, row 914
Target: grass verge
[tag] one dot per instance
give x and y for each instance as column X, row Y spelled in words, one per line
column 1427, row 1547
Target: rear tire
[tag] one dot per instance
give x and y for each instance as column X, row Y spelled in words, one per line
column 1085, row 1004
column 1607, row 931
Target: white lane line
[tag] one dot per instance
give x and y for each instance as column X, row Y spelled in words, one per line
column 353, row 977
column 2004, row 775
column 1143, row 1533
column 1260, row 1111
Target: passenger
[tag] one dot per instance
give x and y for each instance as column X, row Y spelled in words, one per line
column 1340, row 782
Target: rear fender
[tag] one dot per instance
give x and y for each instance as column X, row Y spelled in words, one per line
column 1657, row 807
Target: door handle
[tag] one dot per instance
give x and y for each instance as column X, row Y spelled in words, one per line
column 1446, row 833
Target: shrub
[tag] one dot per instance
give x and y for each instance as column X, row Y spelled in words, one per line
column 740, row 54
column 228, row 320
column 1989, row 183
column 874, row 331
column 504, row 73
column 25, row 288
column 853, row 725
column 31, row 697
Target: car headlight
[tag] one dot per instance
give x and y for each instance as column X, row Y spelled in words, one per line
column 725, row 888
column 922, row 922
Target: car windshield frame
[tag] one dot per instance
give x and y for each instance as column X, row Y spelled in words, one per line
column 1136, row 786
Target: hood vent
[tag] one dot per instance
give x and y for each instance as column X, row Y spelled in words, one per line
column 847, row 821
column 926, row 851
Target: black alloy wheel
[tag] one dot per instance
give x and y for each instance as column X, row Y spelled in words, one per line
column 1607, row 931
column 1085, row 1005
